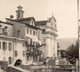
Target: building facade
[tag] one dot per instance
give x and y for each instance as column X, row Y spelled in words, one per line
column 49, row 34
column 27, row 39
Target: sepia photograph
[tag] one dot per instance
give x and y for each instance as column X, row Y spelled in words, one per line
column 39, row 36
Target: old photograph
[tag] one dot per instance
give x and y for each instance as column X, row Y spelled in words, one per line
column 39, row 35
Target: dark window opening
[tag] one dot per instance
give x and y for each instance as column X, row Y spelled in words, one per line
column 33, row 32
column 4, row 30
column 0, row 45
column 10, row 46
column 43, row 31
column 10, row 60
column 30, row 31
column 15, row 53
column 4, row 45
column 28, row 58
column 18, row 33
column 27, row 31
column 23, row 53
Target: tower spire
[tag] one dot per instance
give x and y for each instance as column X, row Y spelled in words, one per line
column 19, row 7
column 19, row 12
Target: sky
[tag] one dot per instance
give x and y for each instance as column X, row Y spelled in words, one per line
column 65, row 12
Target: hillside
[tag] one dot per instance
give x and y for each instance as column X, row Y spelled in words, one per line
column 64, row 43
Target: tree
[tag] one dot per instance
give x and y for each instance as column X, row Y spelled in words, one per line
column 72, row 53
column 51, row 61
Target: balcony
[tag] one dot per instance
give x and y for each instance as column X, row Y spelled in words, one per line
column 29, row 44
column 29, row 53
column 32, row 44
column 34, row 52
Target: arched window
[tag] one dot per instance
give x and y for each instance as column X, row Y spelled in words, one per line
column 10, row 60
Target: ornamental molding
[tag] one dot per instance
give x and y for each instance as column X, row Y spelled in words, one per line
column 51, row 33
column 11, row 38
column 52, row 28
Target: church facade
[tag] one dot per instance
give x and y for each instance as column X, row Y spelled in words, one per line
column 27, row 39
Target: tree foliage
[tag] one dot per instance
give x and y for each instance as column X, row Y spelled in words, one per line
column 72, row 53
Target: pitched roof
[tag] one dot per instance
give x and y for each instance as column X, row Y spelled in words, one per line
column 6, row 22
column 25, row 24
column 25, row 19
column 41, row 22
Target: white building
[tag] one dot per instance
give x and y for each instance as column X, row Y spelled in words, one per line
column 27, row 39
column 25, row 30
column 6, row 41
column 49, row 34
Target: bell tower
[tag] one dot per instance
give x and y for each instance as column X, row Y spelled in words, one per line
column 19, row 12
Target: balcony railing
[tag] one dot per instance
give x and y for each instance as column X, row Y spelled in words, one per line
column 54, row 68
column 29, row 44
column 36, row 45
column 34, row 52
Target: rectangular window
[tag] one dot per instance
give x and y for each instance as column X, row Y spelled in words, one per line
column 30, row 31
column 34, row 43
column 44, row 40
column 35, row 58
column 18, row 33
column 4, row 45
column 33, row 32
column 36, row 33
column 0, row 30
column 4, row 30
column 30, row 41
column 10, row 46
column 15, row 53
column 10, row 60
column 27, row 58
column 23, row 53
column 23, row 44
column 0, row 45
column 27, row 31
column 26, row 43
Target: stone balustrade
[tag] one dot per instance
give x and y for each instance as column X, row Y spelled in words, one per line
column 16, row 69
